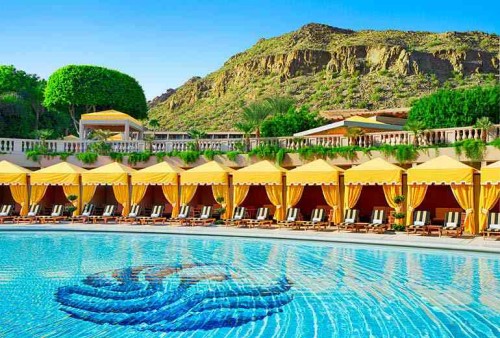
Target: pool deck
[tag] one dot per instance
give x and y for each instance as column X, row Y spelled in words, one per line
column 477, row 244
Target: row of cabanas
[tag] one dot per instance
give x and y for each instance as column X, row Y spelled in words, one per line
column 341, row 189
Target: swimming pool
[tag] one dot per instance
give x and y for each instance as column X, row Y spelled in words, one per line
column 118, row 285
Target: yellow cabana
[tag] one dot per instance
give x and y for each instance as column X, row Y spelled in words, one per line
column 162, row 174
column 262, row 173
column 374, row 172
column 490, row 192
column 63, row 174
column 443, row 170
column 16, row 178
column 211, row 173
column 319, row 173
column 114, row 174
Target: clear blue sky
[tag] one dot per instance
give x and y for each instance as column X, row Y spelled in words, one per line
column 164, row 43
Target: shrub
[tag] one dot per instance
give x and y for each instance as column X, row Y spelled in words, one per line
column 449, row 108
column 473, row 149
column 87, row 157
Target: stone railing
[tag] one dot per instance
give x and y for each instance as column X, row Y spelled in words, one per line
column 428, row 138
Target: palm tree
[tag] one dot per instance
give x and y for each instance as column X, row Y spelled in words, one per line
column 154, row 125
column 254, row 114
column 149, row 141
column 43, row 135
column 280, row 105
column 353, row 133
column 485, row 125
column 196, row 135
column 417, row 128
column 101, row 135
column 246, row 129
column 102, row 147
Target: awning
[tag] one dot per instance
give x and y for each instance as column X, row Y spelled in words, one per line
column 111, row 174
column 63, row 173
column 491, row 174
column 12, row 174
column 109, row 115
column 317, row 172
column 374, row 172
column 441, row 170
column 161, row 173
column 260, row 173
column 210, row 173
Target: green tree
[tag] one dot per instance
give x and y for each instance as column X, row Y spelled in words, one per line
column 154, row 125
column 79, row 89
column 417, row 128
column 449, row 108
column 246, row 128
column 196, row 135
column 254, row 114
column 353, row 133
column 21, row 97
column 291, row 122
column 280, row 105
column 485, row 125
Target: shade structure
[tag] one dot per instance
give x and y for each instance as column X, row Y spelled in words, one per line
column 162, row 174
column 114, row 174
column 490, row 192
column 263, row 173
column 443, row 170
column 16, row 178
column 109, row 115
column 65, row 174
column 111, row 174
column 260, row 173
column 211, row 173
column 374, row 172
column 320, row 173
column 317, row 172
column 12, row 174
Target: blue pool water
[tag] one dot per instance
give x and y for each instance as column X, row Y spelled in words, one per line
column 125, row 285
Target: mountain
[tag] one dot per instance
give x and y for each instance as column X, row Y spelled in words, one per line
column 331, row 68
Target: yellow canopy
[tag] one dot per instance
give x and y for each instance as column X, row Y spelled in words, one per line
column 111, row 174
column 63, row 173
column 363, row 120
column 491, row 174
column 161, row 173
column 317, row 172
column 116, row 137
column 263, row 172
column 70, row 138
column 441, row 170
column 376, row 171
column 12, row 174
column 210, row 173
column 109, row 115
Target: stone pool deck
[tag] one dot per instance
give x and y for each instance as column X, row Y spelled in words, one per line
column 391, row 239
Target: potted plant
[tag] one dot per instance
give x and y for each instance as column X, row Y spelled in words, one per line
column 220, row 200
column 70, row 209
column 398, row 215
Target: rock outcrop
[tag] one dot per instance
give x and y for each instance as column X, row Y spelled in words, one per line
column 328, row 68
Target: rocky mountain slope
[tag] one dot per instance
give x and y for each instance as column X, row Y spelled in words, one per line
column 331, row 68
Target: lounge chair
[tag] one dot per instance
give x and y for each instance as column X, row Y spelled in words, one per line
column 493, row 226
column 351, row 217
column 182, row 218
column 292, row 216
column 87, row 213
column 378, row 222
column 205, row 217
column 108, row 214
column 261, row 218
column 56, row 216
column 156, row 216
column 452, row 224
column 237, row 219
column 133, row 215
column 421, row 219
column 6, row 213
column 317, row 220
column 31, row 216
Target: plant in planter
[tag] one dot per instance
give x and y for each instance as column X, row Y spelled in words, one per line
column 70, row 209
column 398, row 215
column 220, row 200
